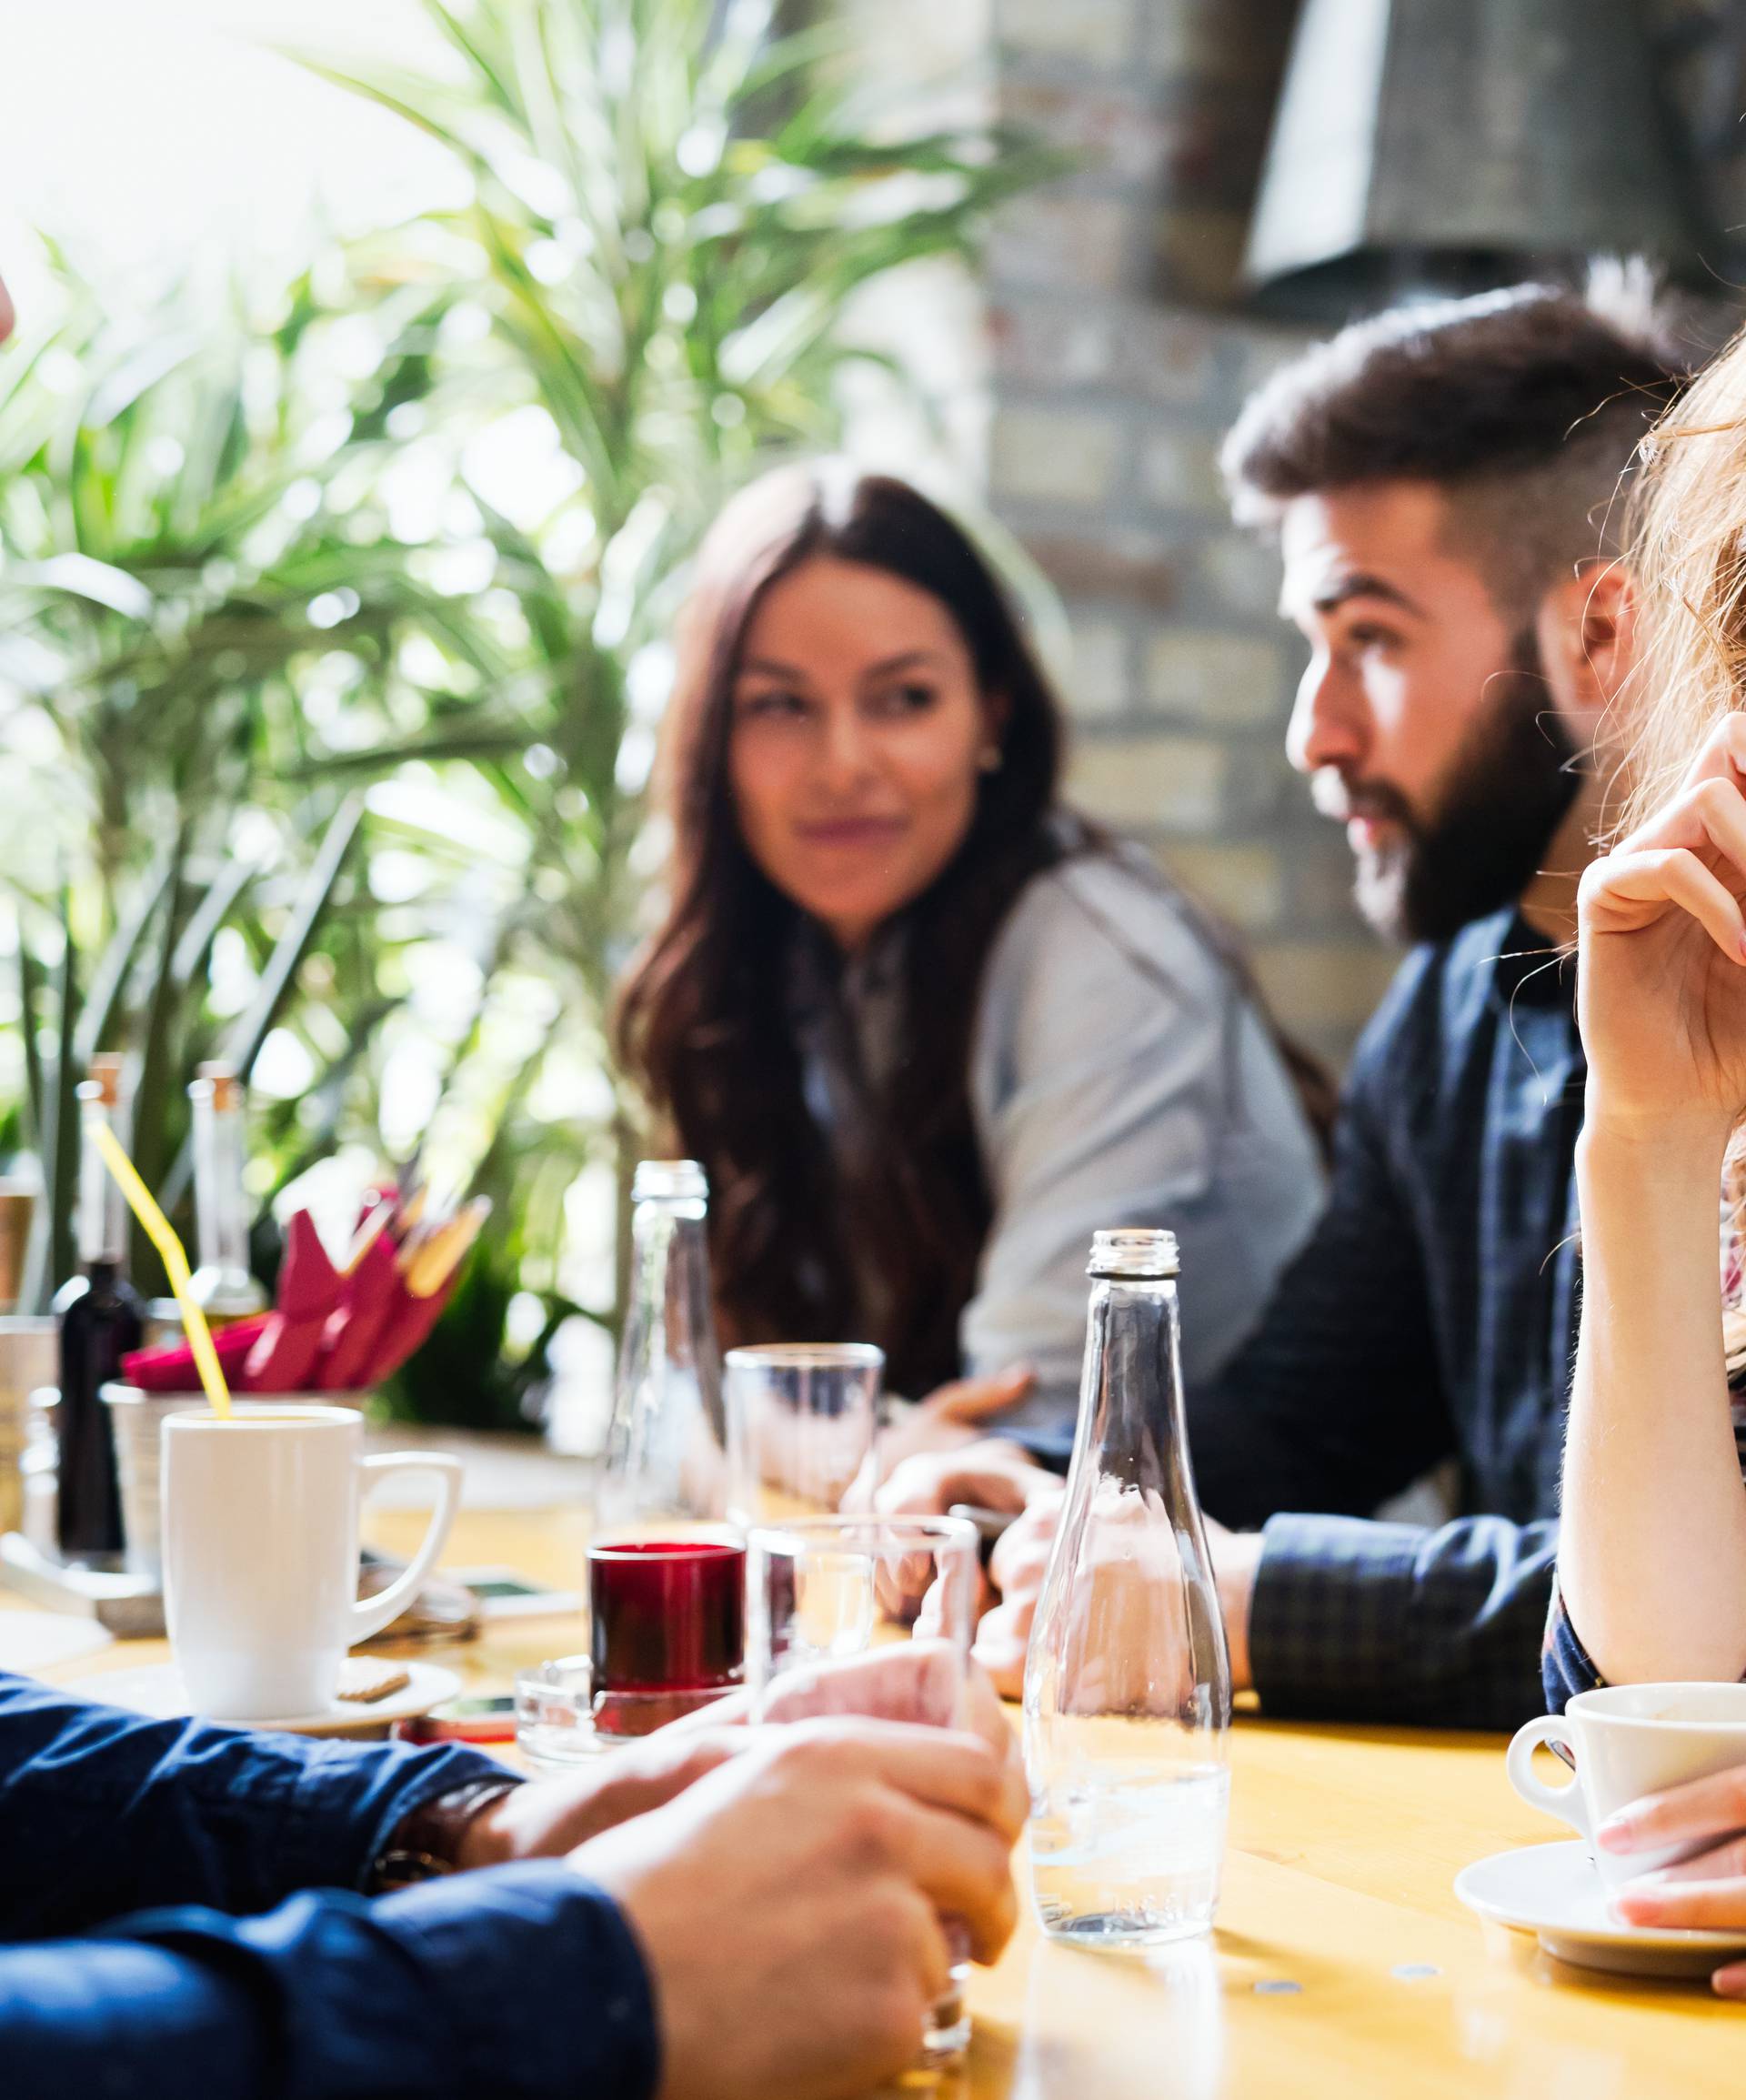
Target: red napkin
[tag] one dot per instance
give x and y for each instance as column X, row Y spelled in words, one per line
column 169, row 1368
column 290, row 1340
column 406, row 1329
column 368, row 1296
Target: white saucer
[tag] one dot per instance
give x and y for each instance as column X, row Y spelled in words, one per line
column 157, row 1689
column 31, row 1640
column 1555, row 1891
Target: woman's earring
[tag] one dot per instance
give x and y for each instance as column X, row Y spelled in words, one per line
column 989, row 758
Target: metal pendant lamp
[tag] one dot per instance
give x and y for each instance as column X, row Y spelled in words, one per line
column 1444, row 141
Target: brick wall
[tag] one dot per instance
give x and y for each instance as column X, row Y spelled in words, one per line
column 1114, row 373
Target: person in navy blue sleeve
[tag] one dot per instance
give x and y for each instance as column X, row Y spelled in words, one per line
column 185, row 1903
column 727, row 1913
column 1441, row 479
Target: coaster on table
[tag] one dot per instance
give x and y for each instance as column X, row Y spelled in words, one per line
column 363, row 1679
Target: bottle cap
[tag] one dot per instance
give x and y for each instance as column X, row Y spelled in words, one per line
column 105, row 1080
column 221, row 1083
column 668, row 1180
column 1137, row 1252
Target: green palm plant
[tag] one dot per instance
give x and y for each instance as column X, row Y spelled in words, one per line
column 183, row 576
column 418, row 531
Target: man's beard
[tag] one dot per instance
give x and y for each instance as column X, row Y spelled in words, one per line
column 1509, row 788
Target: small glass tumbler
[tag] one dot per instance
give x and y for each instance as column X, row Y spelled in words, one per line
column 803, row 1419
column 821, row 1590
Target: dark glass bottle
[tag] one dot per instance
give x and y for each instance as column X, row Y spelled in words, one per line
column 101, row 1318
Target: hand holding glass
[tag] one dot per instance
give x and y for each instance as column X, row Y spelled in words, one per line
column 822, row 1591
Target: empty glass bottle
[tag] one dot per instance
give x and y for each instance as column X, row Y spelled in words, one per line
column 664, row 1460
column 1127, row 1684
column 223, row 1286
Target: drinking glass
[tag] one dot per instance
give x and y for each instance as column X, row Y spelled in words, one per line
column 802, row 1422
column 820, row 1591
column 666, row 1629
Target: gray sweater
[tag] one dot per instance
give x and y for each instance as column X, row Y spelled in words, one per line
column 1118, row 1076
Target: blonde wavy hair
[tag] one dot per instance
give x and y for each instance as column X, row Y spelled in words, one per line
column 1688, row 540
column 1687, row 534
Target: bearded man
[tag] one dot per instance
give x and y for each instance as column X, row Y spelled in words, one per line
column 1444, row 481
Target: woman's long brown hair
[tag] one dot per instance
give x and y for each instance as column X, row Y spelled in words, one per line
column 704, row 1018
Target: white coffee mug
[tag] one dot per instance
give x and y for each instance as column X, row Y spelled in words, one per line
column 260, row 1553
column 1630, row 1740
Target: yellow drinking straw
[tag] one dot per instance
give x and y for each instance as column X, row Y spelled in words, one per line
column 161, row 1236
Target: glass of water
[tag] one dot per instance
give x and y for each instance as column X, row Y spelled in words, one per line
column 822, row 1591
column 802, row 1420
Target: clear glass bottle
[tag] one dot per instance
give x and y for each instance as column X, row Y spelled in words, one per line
column 101, row 1318
column 665, row 1462
column 224, row 1287
column 1128, row 1682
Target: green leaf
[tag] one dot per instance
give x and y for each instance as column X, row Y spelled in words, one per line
column 110, row 979
column 243, row 1044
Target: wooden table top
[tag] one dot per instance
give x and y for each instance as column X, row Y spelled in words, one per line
column 1344, row 1844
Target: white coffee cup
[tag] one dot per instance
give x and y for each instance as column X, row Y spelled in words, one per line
column 260, row 1553
column 1630, row 1740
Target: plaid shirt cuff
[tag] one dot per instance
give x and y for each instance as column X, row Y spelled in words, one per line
column 1328, row 1622
column 1358, row 1620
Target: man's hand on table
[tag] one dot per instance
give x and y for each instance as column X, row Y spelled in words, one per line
column 549, row 1818
column 992, row 1471
column 1020, row 1560
column 942, row 1426
column 788, row 1904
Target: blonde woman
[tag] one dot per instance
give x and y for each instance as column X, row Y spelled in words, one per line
column 1652, row 1553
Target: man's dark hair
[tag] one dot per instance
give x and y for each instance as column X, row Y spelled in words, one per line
column 1524, row 406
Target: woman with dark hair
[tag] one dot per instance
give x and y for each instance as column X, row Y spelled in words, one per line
column 925, row 1028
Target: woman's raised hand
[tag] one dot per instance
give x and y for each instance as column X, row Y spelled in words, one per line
column 1662, row 987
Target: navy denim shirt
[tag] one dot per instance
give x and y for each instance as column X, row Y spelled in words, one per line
column 153, row 1943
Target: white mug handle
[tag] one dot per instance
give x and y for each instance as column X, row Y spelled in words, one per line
column 375, row 1612
column 1563, row 1802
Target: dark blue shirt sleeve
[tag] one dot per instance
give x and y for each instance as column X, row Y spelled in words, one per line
column 1333, row 1403
column 1566, row 1667
column 1332, row 1406
column 522, row 1983
column 104, row 1812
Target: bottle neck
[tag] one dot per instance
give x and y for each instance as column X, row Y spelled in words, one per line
column 101, row 1235
column 220, row 1205
column 1133, row 1377
column 669, row 1318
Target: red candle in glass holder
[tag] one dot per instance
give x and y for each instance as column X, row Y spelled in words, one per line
column 667, row 1628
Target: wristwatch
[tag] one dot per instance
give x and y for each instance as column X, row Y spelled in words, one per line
column 424, row 1845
